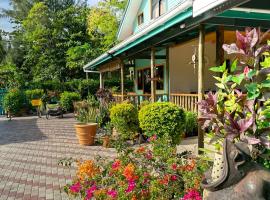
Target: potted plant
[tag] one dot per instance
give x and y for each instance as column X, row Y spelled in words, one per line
column 107, row 135
column 87, row 127
column 239, row 123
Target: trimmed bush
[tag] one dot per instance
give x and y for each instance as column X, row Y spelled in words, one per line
column 13, row 101
column 162, row 118
column 67, row 99
column 124, row 117
column 34, row 94
column 191, row 124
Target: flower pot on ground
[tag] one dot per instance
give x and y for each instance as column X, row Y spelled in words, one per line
column 86, row 129
column 107, row 137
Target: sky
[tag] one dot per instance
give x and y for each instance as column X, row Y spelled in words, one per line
column 4, row 22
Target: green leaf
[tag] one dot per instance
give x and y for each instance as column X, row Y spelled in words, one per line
column 266, row 84
column 238, row 79
column 220, row 85
column 251, row 73
column 218, row 78
column 253, row 90
column 221, row 68
column 234, row 65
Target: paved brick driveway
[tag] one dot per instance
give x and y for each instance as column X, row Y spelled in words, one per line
column 30, row 149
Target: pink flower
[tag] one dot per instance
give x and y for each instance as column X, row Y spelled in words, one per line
column 112, row 193
column 152, row 138
column 116, row 165
column 192, row 195
column 246, row 71
column 174, row 178
column 149, row 155
column 90, row 191
column 131, row 186
column 174, row 166
column 75, row 187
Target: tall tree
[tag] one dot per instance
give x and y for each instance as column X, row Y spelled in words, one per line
column 103, row 22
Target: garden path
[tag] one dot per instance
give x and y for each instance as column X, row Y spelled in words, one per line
column 30, row 149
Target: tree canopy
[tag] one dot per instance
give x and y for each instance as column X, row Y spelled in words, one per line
column 53, row 40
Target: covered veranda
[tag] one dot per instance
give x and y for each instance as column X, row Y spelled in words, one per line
column 157, row 47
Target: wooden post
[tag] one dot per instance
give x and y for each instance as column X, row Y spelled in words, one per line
column 201, row 64
column 153, row 73
column 219, row 43
column 101, row 85
column 168, row 73
column 122, row 80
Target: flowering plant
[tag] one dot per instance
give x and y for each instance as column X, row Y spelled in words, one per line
column 148, row 172
column 231, row 114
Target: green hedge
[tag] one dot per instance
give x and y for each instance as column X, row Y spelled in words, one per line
column 67, row 99
column 14, row 101
column 34, row 94
column 191, row 124
column 124, row 117
column 162, row 118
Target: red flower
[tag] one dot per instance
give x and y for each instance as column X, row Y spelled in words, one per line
column 246, row 71
column 116, row 165
column 174, row 166
column 174, row 178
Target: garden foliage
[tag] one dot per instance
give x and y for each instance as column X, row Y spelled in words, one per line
column 230, row 113
column 162, row 118
column 191, row 123
column 124, row 117
column 34, row 94
column 140, row 173
column 14, row 101
column 67, row 99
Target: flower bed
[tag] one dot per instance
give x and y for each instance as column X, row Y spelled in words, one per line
column 154, row 171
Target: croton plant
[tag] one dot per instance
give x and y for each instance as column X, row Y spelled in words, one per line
column 240, row 109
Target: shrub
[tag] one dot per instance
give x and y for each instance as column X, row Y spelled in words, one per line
column 67, row 99
column 191, row 124
column 13, row 101
column 124, row 118
column 162, row 118
column 144, row 173
column 34, row 94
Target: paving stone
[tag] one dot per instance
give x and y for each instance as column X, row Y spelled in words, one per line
column 30, row 149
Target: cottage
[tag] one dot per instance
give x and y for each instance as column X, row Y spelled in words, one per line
column 167, row 46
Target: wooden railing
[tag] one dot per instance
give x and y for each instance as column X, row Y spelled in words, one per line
column 186, row 101
column 138, row 98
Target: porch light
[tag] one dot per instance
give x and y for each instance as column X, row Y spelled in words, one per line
column 182, row 26
column 131, row 73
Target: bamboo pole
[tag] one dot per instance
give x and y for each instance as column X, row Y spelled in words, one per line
column 201, row 64
column 153, row 70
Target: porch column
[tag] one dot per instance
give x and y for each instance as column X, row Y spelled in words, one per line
column 122, row 80
column 219, row 43
column 153, row 73
column 101, row 85
column 201, row 64
column 168, row 74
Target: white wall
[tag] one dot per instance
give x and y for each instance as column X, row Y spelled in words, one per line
column 183, row 77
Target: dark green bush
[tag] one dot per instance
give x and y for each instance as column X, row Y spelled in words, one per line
column 14, row 101
column 67, row 99
column 124, row 117
column 191, row 124
column 34, row 94
column 162, row 118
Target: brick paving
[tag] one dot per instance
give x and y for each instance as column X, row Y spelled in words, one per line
column 30, row 149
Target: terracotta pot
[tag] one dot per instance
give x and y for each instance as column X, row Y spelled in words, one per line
column 106, row 141
column 86, row 133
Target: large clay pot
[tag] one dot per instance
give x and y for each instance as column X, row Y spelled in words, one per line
column 86, row 133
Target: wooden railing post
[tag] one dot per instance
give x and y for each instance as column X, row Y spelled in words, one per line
column 201, row 64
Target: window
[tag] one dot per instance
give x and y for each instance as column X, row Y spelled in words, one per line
column 140, row 19
column 158, row 8
column 144, row 79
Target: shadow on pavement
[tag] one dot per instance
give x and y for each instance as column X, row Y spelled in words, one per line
column 20, row 130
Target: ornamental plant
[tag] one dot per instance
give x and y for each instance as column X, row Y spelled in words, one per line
column 67, row 99
column 236, row 115
column 156, row 172
column 124, row 117
column 162, row 118
column 14, row 101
